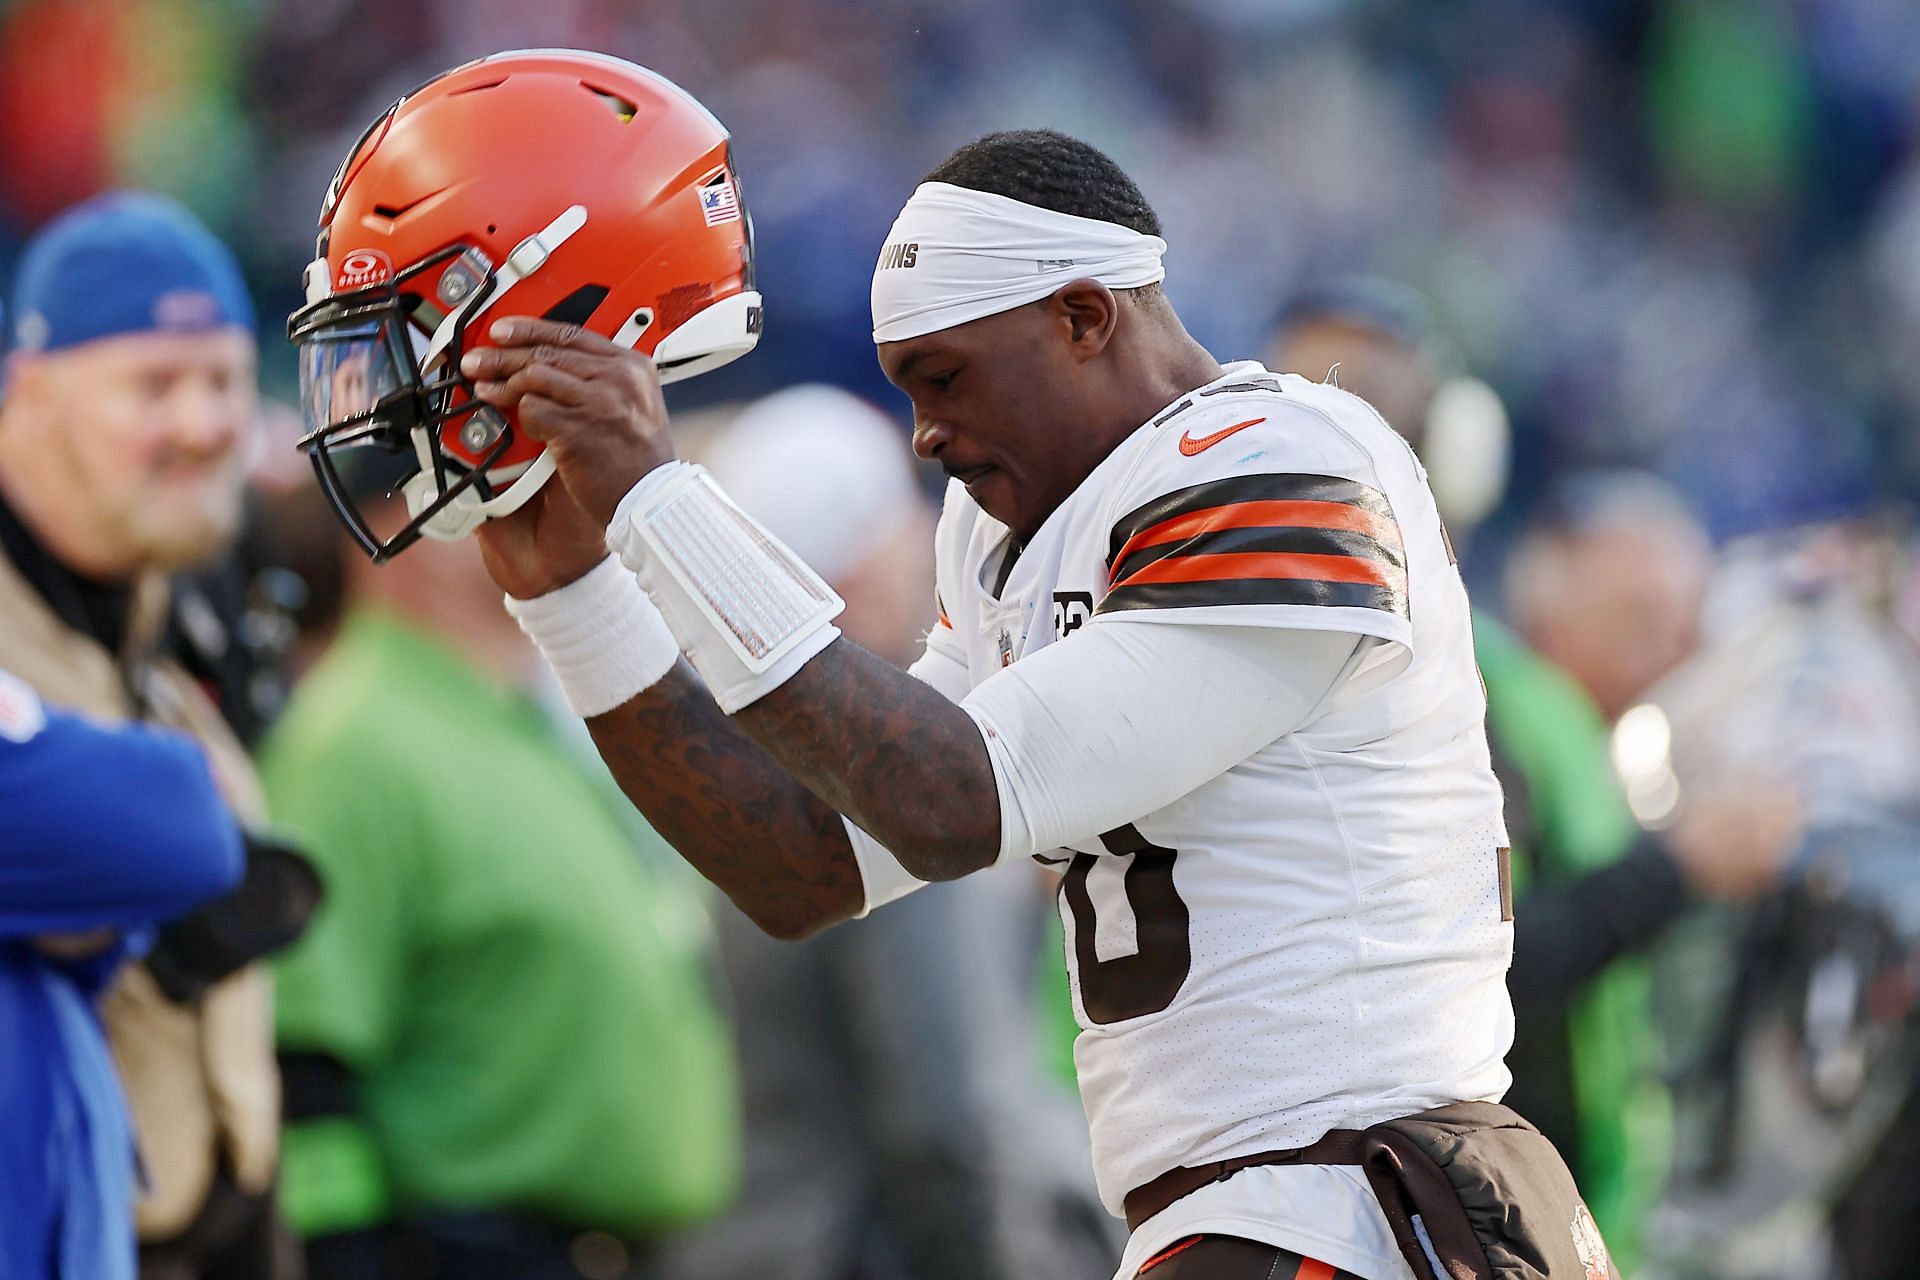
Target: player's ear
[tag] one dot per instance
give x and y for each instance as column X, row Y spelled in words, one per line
column 1090, row 312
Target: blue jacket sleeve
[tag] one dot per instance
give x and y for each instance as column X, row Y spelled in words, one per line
column 104, row 827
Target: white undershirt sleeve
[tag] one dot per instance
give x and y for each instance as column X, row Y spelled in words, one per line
column 881, row 876
column 1120, row 719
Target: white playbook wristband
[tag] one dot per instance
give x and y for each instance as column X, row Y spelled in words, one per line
column 747, row 612
column 603, row 638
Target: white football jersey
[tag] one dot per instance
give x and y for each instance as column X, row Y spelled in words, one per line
column 1318, row 937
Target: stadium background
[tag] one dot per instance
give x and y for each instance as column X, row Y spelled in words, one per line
column 1684, row 234
column 1676, row 234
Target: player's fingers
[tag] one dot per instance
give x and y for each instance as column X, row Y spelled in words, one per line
column 531, row 331
column 626, row 389
column 497, row 364
column 546, row 380
column 542, row 417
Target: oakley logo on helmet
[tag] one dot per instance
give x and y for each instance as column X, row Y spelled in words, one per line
column 362, row 268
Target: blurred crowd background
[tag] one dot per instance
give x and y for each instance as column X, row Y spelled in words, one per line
column 1641, row 280
column 1678, row 234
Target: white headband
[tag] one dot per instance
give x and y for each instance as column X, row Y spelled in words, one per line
column 956, row 254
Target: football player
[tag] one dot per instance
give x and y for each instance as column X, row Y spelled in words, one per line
column 1201, row 645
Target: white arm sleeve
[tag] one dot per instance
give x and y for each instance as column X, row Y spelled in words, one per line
column 1121, row 719
column 881, row 875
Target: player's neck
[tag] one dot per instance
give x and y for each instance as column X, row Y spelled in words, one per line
column 1151, row 370
column 1161, row 365
column 1163, row 362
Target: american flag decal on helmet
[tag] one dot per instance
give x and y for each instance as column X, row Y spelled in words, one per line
column 718, row 203
column 1260, row 539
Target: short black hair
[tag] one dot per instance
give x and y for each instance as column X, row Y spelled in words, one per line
column 1045, row 167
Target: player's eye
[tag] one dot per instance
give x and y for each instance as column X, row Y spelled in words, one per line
column 942, row 381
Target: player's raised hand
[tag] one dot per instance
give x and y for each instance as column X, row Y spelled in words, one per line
column 595, row 405
column 543, row 546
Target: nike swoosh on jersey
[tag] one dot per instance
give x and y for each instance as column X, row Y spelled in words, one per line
column 1189, row 445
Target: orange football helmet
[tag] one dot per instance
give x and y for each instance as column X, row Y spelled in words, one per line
column 554, row 183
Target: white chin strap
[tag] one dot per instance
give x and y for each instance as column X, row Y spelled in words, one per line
column 468, row 510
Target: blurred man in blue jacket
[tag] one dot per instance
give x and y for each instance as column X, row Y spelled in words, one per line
column 108, row 832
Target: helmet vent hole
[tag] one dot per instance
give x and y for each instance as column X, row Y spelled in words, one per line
column 392, row 211
column 475, row 88
column 620, row 107
column 577, row 306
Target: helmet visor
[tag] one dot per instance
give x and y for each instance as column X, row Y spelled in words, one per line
column 373, row 424
column 355, row 369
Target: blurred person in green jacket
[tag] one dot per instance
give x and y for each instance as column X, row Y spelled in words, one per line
column 1594, row 888
column 502, row 1051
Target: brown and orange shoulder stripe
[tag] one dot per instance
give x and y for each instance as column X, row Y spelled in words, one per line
column 1278, row 538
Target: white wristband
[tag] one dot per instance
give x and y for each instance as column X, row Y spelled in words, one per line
column 747, row 612
column 601, row 635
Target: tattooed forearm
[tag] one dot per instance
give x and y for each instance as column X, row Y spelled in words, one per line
column 893, row 754
column 753, row 801
column 778, row 851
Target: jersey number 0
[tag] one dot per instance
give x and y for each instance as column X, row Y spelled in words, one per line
column 1148, row 980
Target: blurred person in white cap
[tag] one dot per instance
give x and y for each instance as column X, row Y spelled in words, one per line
column 897, row 1124
column 832, row 477
column 130, row 395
